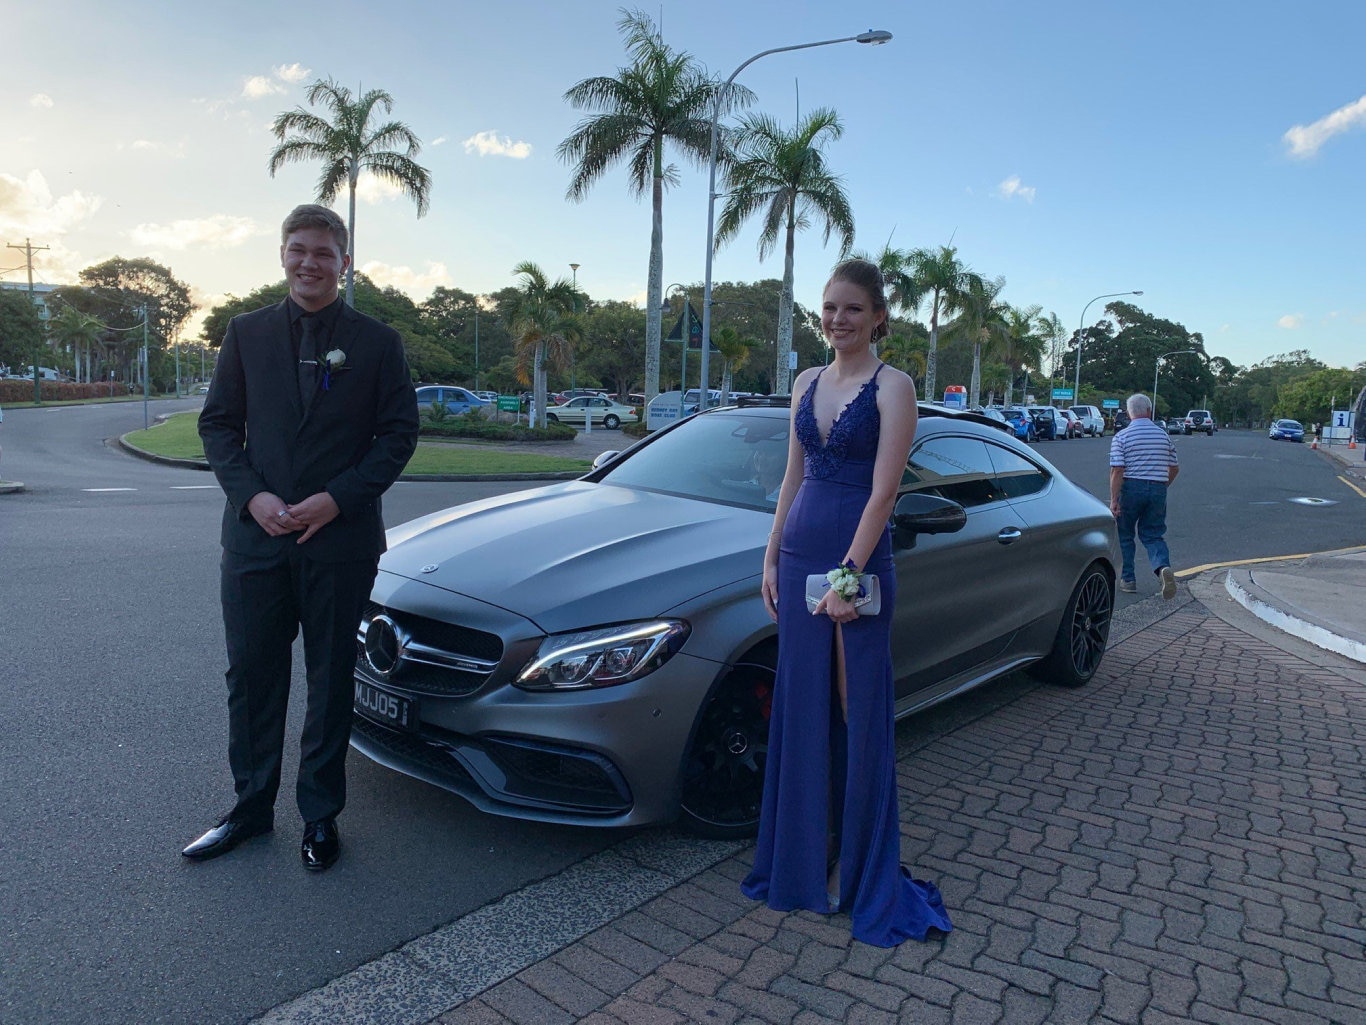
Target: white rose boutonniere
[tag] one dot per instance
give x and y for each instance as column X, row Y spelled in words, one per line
column 333, row 362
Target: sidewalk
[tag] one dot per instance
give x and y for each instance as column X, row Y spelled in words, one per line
column 1182, row 840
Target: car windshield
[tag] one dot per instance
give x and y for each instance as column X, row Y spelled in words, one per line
column 1292, row 424
column 733, row 458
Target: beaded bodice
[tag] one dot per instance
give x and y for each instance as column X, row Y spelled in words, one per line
column 853, row 435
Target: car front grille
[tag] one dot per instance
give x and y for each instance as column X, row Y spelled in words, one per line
column 435, row 657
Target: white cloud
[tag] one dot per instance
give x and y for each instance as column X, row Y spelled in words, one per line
column 1011, row 188
column 1291, row 321
column 488, row 144
column 176, row 150
column 28, row 208
column 217, row 232
column 292, row 73
column 1304, row 140
column 42, row 100
column 373, row 190
column 258, row 86
column 438, row 140
column 405, row 279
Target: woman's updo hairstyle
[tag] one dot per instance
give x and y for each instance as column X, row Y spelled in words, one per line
column 868, row 277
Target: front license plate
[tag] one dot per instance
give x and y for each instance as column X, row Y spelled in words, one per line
column 385, row 707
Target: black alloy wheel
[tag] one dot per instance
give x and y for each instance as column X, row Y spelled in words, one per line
column 1083, row 633
column 723, row 771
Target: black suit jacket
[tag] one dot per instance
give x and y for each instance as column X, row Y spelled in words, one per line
column 352, row 441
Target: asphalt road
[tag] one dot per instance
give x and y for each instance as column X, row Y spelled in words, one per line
column 114, row 754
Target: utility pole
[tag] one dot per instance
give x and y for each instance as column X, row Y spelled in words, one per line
column 29, row 249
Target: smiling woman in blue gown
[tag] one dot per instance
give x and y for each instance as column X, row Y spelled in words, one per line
column 829, row 839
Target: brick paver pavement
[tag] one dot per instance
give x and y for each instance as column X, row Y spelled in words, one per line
column 1183, row 840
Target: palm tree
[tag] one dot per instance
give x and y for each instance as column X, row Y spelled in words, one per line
column 782, row 176
column 984, row 322
column 936, row 274
column 347, row 145
column 662, row 96
column 541, row 317
column 1024, row 346
column 74, row 330
column 734, row 355
column 1051, row 333
column 907, row 354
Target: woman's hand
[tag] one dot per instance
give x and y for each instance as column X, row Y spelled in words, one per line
column 841, row 610
column 769, row 589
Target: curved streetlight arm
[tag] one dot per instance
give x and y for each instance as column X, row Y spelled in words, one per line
column 871, row 36
column 1081, row 328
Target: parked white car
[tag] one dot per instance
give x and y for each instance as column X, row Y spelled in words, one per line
column 1092, row 422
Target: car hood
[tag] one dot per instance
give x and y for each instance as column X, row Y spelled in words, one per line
column 578, row 554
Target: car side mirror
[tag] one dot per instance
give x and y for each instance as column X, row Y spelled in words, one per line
column 920, row 513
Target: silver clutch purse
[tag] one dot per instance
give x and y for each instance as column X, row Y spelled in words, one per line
column 869, row 603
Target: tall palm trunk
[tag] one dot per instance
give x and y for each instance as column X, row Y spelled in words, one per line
column 932, row 357
column 538, row 385
column 654, row 292
column 975, row 385
column 781, row 380
column 351, row 238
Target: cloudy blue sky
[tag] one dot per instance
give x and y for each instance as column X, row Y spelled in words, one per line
column 1208, row 152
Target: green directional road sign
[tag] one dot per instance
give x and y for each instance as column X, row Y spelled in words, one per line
column 508, row 403
column 1062, row 393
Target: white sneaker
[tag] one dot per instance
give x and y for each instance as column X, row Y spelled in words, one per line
column 1168, row 583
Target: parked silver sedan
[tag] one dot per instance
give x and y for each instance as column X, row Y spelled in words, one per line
column 596, row 652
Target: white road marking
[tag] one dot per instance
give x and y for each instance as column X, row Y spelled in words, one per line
column 194, row 487
column 108, row 489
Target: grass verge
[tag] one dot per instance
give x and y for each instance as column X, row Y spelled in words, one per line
column 178, row 438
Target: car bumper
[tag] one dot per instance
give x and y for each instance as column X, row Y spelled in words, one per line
column 606, row 756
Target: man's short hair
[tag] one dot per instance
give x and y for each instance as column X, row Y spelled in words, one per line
column 1139, row 404
column 312, row 215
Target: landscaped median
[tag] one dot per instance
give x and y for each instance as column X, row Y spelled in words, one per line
column 177, row 438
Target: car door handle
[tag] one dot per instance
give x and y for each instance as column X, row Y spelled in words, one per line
column 1009, row 535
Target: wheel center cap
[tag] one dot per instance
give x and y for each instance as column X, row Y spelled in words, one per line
column 736, row 742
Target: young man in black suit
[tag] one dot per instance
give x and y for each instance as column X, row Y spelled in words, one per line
column 310, row 417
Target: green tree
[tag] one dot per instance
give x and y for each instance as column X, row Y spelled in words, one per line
column 78, row 333
column 984, row 323
column 346, row 145
column 783, row 177
column 1051, row 333
column 614, row 345
column 1310, row 399
column 939, row 276
column 115, row 293
column 21, row 331
column 734, row 352
column 1023, row 347
column 906, row 354
column 540, row 314
column 662, row 97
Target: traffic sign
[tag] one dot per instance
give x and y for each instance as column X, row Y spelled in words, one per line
column 1109, row 403
column 508, row 403
column 1062, row 393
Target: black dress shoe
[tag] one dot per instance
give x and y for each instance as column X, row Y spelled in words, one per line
column 225, row 836
column 321, row 846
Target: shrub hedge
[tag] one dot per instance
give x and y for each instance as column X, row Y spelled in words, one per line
column 475, row 425
column 56, row 391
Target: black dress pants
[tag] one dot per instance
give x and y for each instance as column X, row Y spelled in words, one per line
column 266, row 600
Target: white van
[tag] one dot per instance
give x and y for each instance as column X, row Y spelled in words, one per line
column 1092, row 422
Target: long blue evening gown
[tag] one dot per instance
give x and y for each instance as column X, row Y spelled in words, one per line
column 819, row 772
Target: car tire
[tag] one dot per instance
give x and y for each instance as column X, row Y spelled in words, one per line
column 722, row 782
column 1083, row 633
column 611, row 421
column 552, row 418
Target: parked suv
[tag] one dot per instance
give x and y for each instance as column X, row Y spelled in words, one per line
column 1198, row 420
column 1092, row 421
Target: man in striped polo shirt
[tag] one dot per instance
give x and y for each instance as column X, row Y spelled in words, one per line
column 1142, row 466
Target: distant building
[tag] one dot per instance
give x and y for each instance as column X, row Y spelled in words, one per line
column 40, row 294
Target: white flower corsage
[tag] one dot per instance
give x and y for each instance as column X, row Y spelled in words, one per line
column 844, row 582
column 332, row 362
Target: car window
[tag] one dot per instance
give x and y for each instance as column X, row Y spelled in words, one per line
column 1016, row 476
column 959, row 469
column 736, row 460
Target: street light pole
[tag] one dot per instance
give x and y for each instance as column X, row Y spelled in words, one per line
column 1076, row 390
column 871, row 36
column 574, row 359
column 1156, row 365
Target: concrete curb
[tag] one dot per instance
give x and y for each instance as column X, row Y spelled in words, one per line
column 1243, row 589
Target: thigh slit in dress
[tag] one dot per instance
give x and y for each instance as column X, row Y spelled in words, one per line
column 819, row 768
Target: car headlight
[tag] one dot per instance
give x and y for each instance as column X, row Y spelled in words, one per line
column 604, row 657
